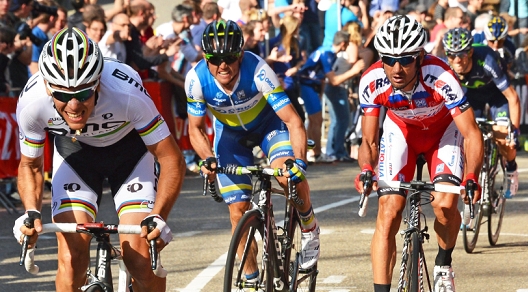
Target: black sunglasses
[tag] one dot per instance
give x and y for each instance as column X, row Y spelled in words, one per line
column 81, row 96
column 228, row 59
column 404, row 61
column 453, row 55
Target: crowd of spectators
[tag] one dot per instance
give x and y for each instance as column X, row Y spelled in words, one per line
column 286, row 32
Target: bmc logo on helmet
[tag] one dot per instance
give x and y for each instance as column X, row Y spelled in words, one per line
column 262, row 77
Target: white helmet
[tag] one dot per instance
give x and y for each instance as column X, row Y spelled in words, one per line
column 70, row 59
column 399, row 35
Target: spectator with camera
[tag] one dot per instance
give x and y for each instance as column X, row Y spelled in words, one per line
column 19, row 12
column 46, row 15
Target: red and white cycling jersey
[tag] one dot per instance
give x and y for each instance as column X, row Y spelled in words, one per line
column 437, row 94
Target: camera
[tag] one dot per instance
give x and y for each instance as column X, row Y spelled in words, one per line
column 24, row 31
column 39, row 8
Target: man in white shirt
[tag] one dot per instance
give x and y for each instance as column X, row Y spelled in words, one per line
column 111, row 44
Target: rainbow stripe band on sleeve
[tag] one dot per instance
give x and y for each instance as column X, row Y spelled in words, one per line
column 153, row 125
column 34, row 143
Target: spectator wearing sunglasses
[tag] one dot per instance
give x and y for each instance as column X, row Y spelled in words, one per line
column 106, row 127
column 486, row 81
column 427, row 112
column 251, row 109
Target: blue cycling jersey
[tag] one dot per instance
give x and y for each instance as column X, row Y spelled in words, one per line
column 319, row 63
column 256, row 96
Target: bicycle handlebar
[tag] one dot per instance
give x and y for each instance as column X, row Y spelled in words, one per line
column 92, row 228
column 363, row 201
column 501, row 122
column 413, row 185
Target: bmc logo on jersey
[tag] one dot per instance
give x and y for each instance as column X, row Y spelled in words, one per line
column 442, row 85
column 123, row 76
column 262, row 77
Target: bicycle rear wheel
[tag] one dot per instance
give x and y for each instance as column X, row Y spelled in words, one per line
column 249, row 231
column 299, row 280
column 496, row 212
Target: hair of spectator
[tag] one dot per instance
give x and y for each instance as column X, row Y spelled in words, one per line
column 210, row 9
column 138, row 6
column 257, row 14
column 181, row 11
column 481, row 21
column 248, row 29
column 77, row 4
column 92, row 12
column 44, row 17
column 354, row 30
column 7, row 35
column 96, row 18
column 451, row 12
column 341, row 37
column 195, row 6
column 288, row 29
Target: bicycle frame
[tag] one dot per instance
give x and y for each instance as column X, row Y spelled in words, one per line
column 277, row 248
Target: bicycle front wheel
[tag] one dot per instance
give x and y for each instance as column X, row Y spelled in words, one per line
column 299, row 280
column 244, row 257
column 496, row 212
column 470, row 232
column 411, row 273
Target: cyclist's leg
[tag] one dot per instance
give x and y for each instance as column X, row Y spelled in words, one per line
column 446, row 165
column 74, row 200
column 235, row 148
column 500, row 110
column 399, row 165
column 135, row 196
column 312, row 103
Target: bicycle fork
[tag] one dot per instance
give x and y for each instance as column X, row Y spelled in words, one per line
column 102, row 279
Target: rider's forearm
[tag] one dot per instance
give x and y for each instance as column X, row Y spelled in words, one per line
column 474, row 153
column 200, row 142
column 368, row 150
column 298, row 140
column 172, row 172
column 30, row 185
column 514, row 106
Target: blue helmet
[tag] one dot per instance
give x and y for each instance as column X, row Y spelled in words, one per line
column 497, row 29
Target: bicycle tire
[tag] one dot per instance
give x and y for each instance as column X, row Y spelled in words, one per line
column 410, row 266
column 299, row 280
column 251, row 223
column 470, row 232
column 495, row 215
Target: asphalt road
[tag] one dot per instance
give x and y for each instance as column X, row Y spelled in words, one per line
column 196, row 257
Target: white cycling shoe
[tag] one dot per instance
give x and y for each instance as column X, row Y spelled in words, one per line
column 511, row 184
column 444, row 279
column 310, row 248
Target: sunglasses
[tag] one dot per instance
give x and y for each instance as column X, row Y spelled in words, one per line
column 461, row 55
column 404, row 61
column 217, row 60
column 66, row 96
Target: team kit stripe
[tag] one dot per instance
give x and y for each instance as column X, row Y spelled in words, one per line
column 153, row 125
column 114, row 131
column 133, row 205
column 78, row 204
column 34, row 143
column 284, row 145
column 233, row 188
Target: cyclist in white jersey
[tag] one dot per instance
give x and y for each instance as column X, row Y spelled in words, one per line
column 105, row 127
column 251, row 109
column 427, row 113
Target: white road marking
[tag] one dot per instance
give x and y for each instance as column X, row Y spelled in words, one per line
column 200, row 281
column 333, row 279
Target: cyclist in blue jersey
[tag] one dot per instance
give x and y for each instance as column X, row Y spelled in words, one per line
column 251, row 109
column 486, row 82
column 312, row 76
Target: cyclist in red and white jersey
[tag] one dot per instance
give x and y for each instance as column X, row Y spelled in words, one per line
column 105, row 127
column 427, row 113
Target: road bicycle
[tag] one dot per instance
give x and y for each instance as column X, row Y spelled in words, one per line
column 101, row 279
column 414, row 275
column 279, row 253
column 492, row 202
